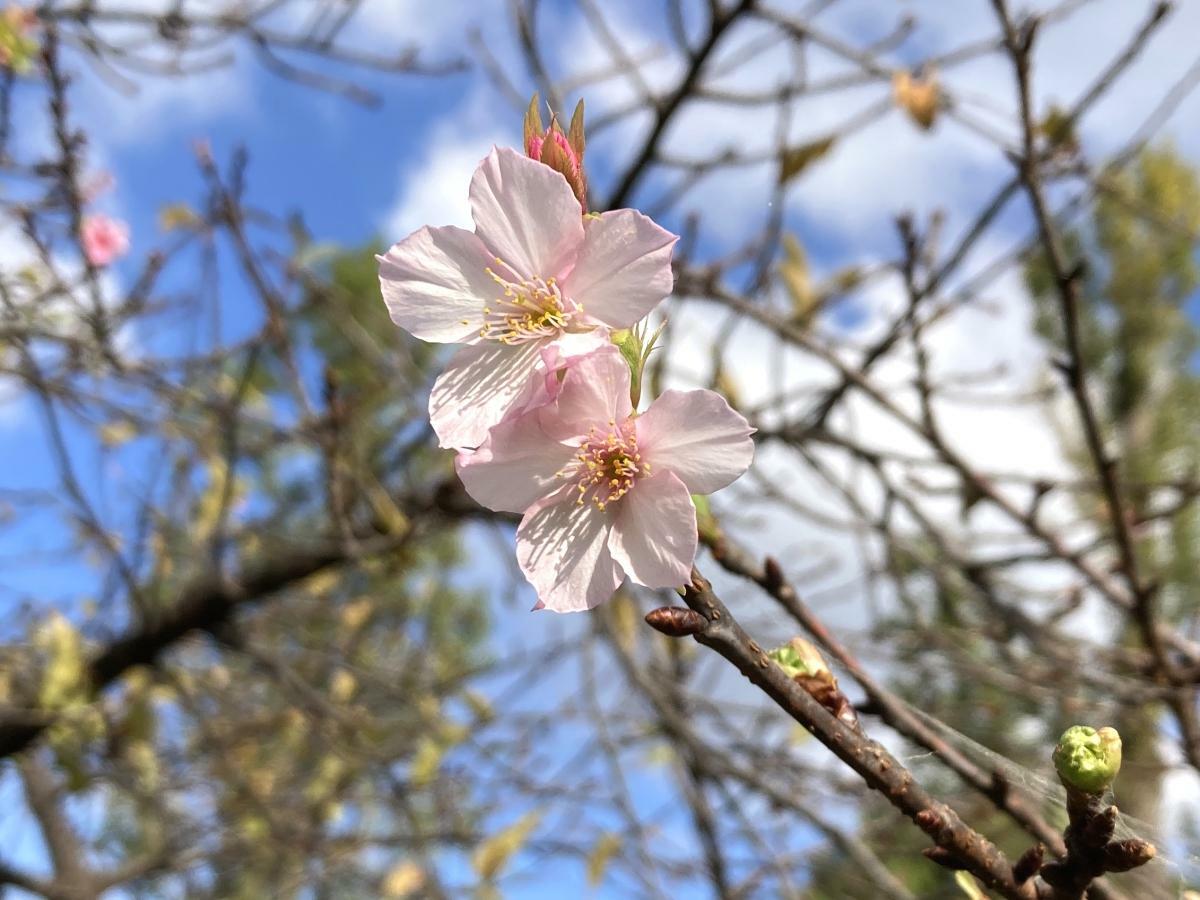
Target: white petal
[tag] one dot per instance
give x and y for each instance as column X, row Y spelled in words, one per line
column 696, row 435
column 563, row 550
column 435, row 286
column 515, row 467
column 654, row 536
column 526, row 214
column 624, row 267
column 482, row 384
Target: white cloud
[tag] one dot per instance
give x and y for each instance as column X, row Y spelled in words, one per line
column 433, row 190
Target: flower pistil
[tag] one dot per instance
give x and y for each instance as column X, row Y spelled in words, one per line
column 607, row 465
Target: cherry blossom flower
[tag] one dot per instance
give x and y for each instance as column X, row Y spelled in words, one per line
column 534, row 273
column 606, row 492
column 104, row 239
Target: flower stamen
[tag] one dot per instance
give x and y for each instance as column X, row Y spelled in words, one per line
column 608, row 465
column 528, row 308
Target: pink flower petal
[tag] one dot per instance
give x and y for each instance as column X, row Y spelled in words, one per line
column 105, row 240
column 435, row 284
column 481, row 385
column 515, row 467
column 594, row 391
column 654, row 536
column 624, row 267
column 696, row 435
column 526, row 214
column 563, row 550
column 556, row 356
column 581, row 343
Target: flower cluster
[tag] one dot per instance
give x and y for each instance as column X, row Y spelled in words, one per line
column 537, row 400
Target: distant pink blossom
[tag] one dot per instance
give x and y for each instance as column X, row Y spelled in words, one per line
column 104, row 239
column 534, row 274
column 605, row 492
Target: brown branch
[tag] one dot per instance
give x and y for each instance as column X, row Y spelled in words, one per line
column 870, row 760
column 891, row 708
column 665, row 111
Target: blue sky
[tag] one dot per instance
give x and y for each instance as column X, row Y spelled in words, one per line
column 355, row 174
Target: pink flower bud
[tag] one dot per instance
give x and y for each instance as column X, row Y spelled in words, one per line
column 561, row 152
column 104, row 239
column 534, row 149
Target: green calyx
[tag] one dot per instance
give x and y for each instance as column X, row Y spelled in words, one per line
column 1088, row 759
column 636, row 345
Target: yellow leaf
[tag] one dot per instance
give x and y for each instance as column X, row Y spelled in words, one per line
column 480, row 706
column 212, row 501
column 17, row 47
column 426, row 761
column 177, row 215
column 848, row 279
column 255, row 828
column 356, row 613
column 661, row 754
column 65, row 678
column 796, row 159
column 626, row 622
column 1058, row 129
column 794, row 272
column 403, row 880
column 601, row 854
column 326, row 779
column 321, row 583
column 114, row 434
column 919, row 96
column 342, row 686
column 725, row 385
column 142, row 759
column 491, row 856
column 967, row 884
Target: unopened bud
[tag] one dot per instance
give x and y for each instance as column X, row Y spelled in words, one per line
column 799, row 657
column 803, row 663
column 676, row 621
column 1121, row 856
column 561, row 152
column 1088, row 759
